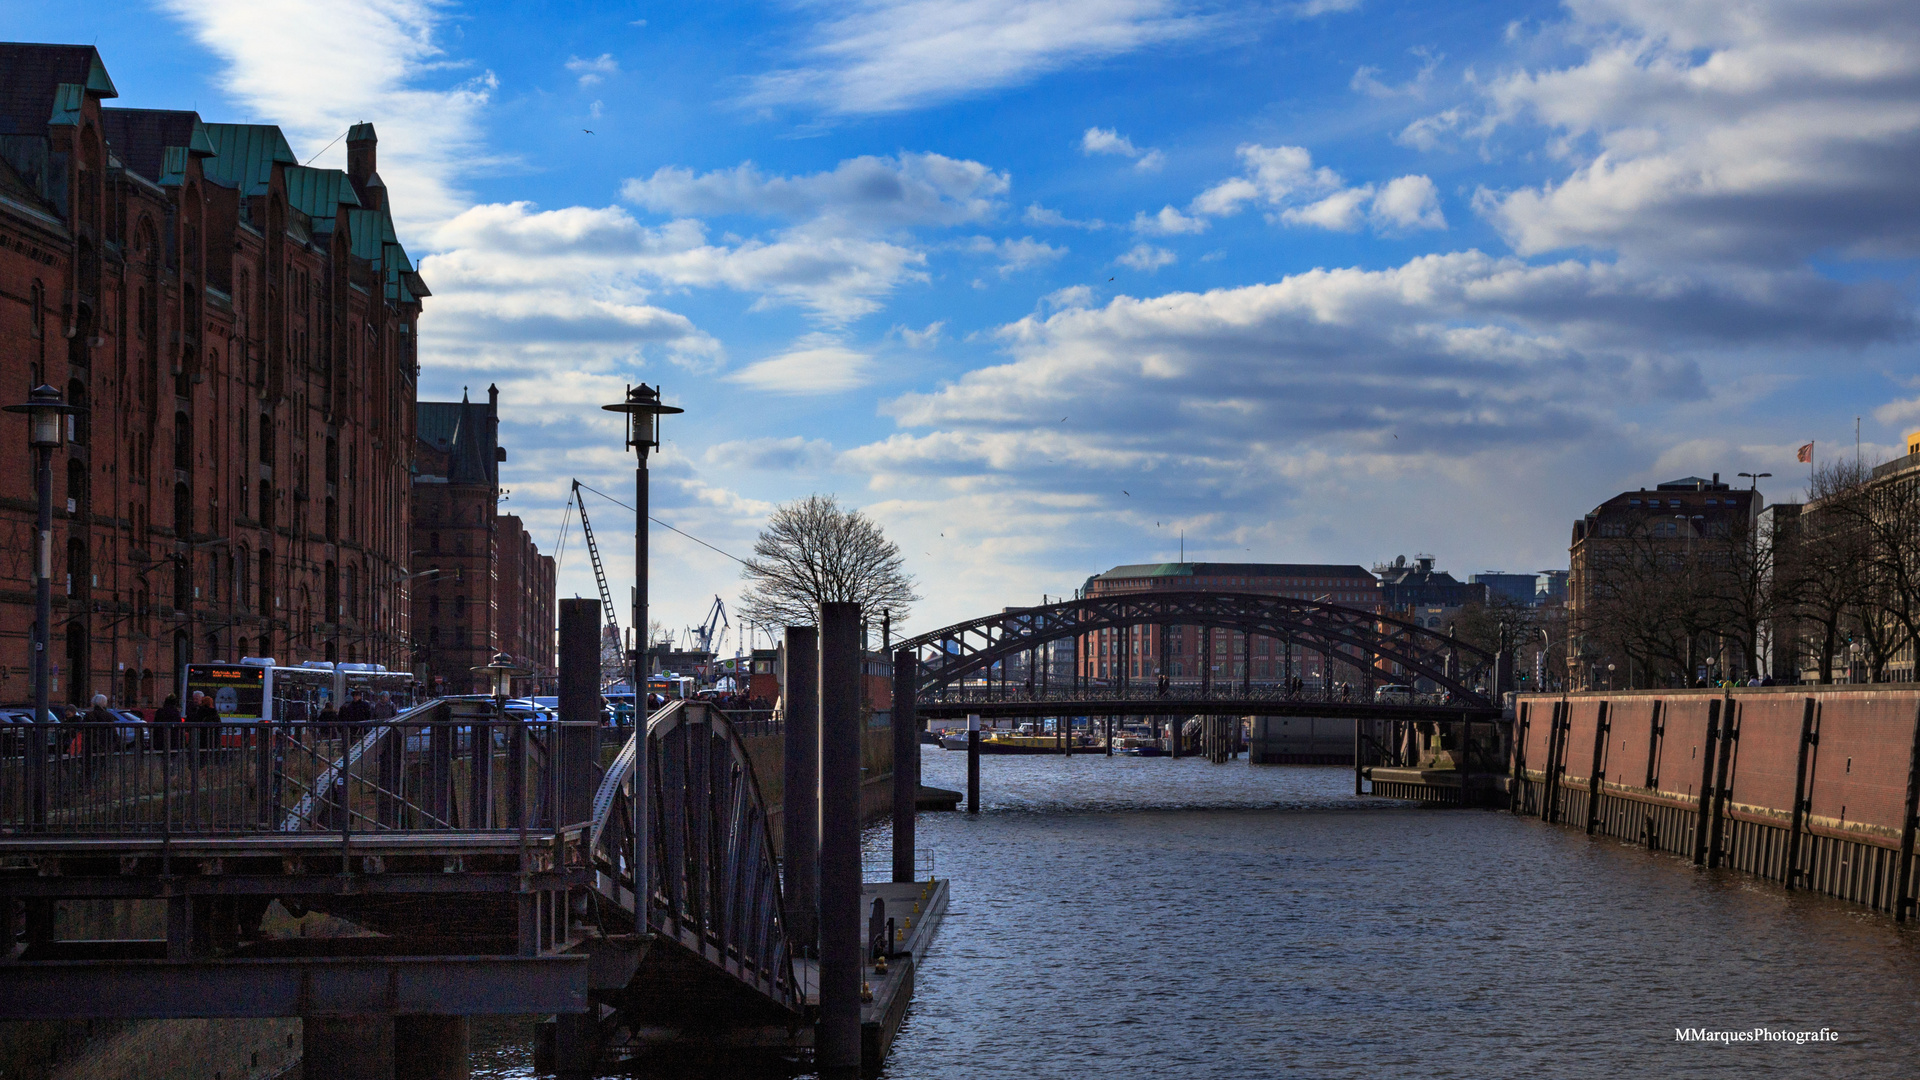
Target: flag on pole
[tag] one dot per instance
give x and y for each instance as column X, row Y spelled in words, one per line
column 1806, row 453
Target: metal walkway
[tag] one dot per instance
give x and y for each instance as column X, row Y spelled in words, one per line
column 473, row 864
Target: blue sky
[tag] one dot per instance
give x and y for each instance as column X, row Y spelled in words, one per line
column 1044, row 285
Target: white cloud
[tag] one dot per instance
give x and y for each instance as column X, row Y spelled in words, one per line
column 1898, row 412
column 1342, row 211
column 863, row 192
column 880, row 56
column 816, row 365
column 1016, row 255
column 771, row 454
column 1147, row 258
column 925, row 338
column 1408, row 202
column 1272, row 175
column 317, row 69
column 1168, row 222
column 594, row 70
column 504, row 247
column 1754, row 133
column 1040, row 215
column 1366, row 79
column 1285, row 179
column 1308, row 9
column 1098, row 140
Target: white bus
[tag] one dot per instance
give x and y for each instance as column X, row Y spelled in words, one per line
column 258, row 689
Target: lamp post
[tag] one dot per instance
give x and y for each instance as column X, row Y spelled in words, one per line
column 1756, row 478
column 643, row 411
column 46, row 432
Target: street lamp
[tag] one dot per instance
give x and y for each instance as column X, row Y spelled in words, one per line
column 1756, row 478
column 500, row 672
column 644, row 410
column 46, row 431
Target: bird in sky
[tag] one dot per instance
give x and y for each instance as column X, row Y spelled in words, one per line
column 587, row 130
column 1127, row 493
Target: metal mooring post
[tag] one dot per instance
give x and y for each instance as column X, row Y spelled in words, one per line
column 837, row 1045
column 906, row 763
column 800, row 801
column 973, row 763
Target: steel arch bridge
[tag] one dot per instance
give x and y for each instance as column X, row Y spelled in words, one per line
column 1361, row 640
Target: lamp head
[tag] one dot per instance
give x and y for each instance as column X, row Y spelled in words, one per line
column 644, row 410
column 44, row 409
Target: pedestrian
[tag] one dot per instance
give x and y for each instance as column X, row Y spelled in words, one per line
column 357, row 711
column 169, row 714
column 383, row 707
column 201, row 712
column 99, row 730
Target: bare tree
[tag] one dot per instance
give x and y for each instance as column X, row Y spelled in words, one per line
column 814, row 552
column 1871, row 525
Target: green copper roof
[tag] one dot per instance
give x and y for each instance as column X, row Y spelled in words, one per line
column 67, row 99
column 317, row 192
column 244, row 155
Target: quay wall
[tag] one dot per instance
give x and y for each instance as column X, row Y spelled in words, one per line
column 1812, row 787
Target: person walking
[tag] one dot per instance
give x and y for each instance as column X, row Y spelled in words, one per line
column 168, row 715
column 97, row 734
column 383, row 708
column 357, row 711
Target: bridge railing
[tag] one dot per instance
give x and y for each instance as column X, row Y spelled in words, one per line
column 423, row 772
column 1189, row 692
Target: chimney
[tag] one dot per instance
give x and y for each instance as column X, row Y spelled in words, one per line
column 361, row 142
column 1716, row 480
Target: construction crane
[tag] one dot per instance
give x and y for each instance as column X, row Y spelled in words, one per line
column 612, row 657
column 703, row 634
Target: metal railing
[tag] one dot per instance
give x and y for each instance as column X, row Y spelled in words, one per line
column 1180, row 693
column 426, row 771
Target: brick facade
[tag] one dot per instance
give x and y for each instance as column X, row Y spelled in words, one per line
column 241, row 330
column 1105, row 654
column 483, row 587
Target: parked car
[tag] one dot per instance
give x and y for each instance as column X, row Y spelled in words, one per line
column 1393, row 694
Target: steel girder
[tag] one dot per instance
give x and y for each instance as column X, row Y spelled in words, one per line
column 1357, row 638
column 715, row 884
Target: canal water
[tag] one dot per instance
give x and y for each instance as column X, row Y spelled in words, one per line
column 1146, row 918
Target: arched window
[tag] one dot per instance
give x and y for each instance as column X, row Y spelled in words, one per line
column 76, row 565
column 330, row 610
column 77, row 484
column 182, row 585
column 77, row 397
column 182, row 441
column 182, row 511
column 266, row 504
column 460, row 609
column 333, row 520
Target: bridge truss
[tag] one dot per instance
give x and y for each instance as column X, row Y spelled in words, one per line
column 1372, row 648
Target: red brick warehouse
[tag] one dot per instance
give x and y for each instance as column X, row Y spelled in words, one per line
column 242, row 332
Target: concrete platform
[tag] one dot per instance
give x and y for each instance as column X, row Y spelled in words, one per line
column 917, row 909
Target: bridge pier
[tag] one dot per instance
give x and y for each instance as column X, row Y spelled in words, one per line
column 837, row 1047
column 973, row 763
column 347, row 1047
column 430, row 1047
column 800, row 818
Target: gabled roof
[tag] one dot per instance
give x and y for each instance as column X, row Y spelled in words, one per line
column 244, row 155
column 31, row 77
column 317, row 193
column 141, row 137
column 464, row 432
